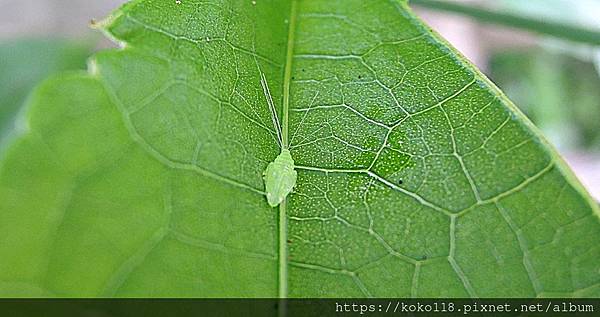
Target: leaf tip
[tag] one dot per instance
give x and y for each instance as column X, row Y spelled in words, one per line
column 108, row 22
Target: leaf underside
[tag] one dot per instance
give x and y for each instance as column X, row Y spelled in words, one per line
column 416, row 176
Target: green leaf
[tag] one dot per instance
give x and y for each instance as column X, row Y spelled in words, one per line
column 416, row 176
column 24, row 63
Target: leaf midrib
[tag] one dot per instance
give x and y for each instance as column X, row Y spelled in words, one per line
column 283, row 252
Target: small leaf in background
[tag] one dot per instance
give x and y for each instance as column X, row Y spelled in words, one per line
column 25, row 63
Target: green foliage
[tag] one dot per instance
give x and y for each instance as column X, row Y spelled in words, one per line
column 530, row 22
column 559, row 93
column 416, row 176
column 25, row 63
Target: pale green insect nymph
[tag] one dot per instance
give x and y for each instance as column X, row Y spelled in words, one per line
column 280, row 176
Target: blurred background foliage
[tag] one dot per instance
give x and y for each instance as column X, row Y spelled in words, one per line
column 561, row 94
column 26, row 62
column 544, row 54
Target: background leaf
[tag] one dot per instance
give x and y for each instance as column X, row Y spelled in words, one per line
column 24, row 64
column 417, row 177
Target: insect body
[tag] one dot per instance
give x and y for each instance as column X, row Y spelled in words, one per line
column 280, row 178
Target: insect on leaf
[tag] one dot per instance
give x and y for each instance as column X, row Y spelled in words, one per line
column 416, row 176
column 280, row 178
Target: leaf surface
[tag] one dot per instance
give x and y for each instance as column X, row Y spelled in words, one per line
column 416, row 176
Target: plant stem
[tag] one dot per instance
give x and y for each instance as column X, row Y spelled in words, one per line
column 545, row 27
